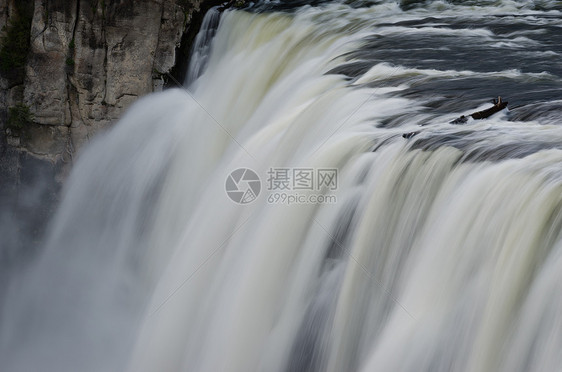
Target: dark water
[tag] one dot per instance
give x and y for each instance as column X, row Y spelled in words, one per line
column 525, row 44
column 489, row 49
column 512, row 53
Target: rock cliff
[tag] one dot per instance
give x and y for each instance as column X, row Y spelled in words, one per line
column 68, row 69
column 88, row 60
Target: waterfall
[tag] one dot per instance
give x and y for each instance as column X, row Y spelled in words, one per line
column 439, row 252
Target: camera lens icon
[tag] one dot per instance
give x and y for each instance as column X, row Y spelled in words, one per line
column 243, row 186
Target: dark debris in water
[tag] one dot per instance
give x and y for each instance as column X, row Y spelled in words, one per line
column 444, row 97
column 410, row 134
column 479, row 115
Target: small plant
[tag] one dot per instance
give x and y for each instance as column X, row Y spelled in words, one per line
column 70, row 62
column 18, row 117
column 71, row 45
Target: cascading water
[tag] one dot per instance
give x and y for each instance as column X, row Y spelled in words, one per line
column 438, row 252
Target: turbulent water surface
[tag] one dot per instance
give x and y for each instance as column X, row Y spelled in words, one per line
column 440, row 250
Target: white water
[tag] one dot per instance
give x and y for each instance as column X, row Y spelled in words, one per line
column 425, row 263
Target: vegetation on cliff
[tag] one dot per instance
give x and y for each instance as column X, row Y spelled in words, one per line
column 19, row 116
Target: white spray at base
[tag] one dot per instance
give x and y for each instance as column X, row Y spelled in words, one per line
column 426, row 262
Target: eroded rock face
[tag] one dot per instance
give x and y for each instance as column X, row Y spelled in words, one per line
column 89, row 60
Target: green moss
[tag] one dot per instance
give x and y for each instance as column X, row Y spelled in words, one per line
column 71, row 45
column 15, row 43
column 69, row 61
column 18, row 117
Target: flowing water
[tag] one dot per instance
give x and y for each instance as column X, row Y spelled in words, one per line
column 441, row 251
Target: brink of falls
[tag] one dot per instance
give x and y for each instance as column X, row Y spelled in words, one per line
column 439, row 252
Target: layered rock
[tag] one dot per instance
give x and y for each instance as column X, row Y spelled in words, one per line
column 89, row 60
column 85, row 62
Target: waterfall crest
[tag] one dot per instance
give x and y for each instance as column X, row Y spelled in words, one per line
column 442, row 252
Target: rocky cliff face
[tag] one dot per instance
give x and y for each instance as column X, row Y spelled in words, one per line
column 88, row 60
column 68, row 69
